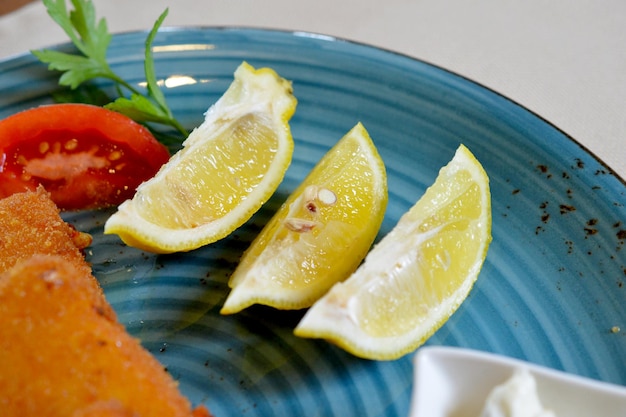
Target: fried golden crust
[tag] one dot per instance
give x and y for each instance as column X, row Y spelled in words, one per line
column 65, row 354
column 30, row 223
column 63, row 351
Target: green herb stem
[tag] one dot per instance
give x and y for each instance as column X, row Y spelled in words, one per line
column 92, row 40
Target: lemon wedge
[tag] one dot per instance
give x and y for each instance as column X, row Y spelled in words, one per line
column 228, row 167
column 416, row 277
column 320, row 234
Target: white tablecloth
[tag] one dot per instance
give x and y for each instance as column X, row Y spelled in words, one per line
column 563, row 59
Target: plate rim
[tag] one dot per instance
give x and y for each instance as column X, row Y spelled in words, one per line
column 321, row 36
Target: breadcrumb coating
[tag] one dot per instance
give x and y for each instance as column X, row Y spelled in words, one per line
column 62, row 350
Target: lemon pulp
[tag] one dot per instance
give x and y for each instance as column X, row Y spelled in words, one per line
column 228, row 167
column 320, row 234
column 416, row 277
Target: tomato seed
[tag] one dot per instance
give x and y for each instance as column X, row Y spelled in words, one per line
column 115, row 155
column 71, row 144
column 43, row 147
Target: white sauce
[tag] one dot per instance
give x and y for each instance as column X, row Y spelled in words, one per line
column 517, row 397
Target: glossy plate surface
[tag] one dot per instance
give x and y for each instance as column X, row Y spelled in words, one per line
column 552, row 290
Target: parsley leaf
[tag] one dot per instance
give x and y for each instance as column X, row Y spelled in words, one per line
column 92, row 40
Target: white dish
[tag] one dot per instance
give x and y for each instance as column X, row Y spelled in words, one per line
column 455, row 382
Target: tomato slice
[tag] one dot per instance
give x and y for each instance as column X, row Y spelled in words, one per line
column 85, row 156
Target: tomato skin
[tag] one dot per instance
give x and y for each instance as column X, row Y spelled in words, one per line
column 85, row 156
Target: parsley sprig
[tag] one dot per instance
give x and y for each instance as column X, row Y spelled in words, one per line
column 92, row 39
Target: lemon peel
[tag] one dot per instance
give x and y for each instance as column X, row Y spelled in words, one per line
column 417, row 276
column 228, row 167
column 320, row 234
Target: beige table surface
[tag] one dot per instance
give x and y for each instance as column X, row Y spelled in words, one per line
column 563, row 59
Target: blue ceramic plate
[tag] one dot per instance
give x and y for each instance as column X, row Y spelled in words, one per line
column 552, row 290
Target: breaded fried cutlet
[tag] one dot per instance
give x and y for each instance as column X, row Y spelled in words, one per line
column 63, row 353
column 30, row 223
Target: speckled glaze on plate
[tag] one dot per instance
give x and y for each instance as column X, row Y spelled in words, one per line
column 552, row 288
